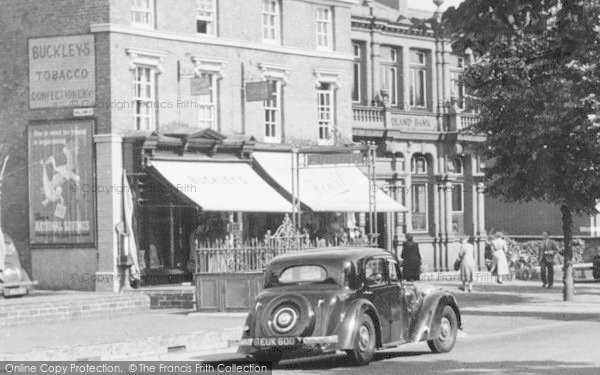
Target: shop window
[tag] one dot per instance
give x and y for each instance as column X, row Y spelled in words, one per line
column 208, row 102
column 418, row 79
column 206, row 12
column 271, row 21
column 418, row 165
column 357, row 72
column 142, row 13
column 272, row 110
column 389, row 73
column 325, row 111
column 324, row 28
column 457, row 198
column 419, row 207
column 144, row 86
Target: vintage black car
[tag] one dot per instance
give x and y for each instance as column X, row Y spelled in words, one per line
column 349, row 299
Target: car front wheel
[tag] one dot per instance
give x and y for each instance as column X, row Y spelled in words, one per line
column 364, row 342
column 448, row 331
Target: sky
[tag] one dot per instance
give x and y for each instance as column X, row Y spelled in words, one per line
column 428, row 4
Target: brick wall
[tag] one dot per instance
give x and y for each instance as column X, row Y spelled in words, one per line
column 21, row 20
column 170, row 298
column 63, row 309
column 239, row 42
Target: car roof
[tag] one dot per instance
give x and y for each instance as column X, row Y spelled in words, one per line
column 328, row 255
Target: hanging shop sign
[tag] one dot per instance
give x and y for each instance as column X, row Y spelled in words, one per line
column 62, row 72
column 61, row 183
column 259, row 91
column 200, row 86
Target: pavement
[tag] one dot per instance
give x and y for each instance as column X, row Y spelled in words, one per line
column 153, row 333
column 510, row 319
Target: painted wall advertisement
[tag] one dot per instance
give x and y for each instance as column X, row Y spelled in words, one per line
column 62, row 72
column 61, row 197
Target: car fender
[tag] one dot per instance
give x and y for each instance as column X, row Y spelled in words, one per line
column 348, row 327
column 426, row 323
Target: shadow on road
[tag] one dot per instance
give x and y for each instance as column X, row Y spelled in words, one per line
column 409, row 366
column 547, row 315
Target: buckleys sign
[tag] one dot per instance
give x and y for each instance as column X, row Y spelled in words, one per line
column 414, row 123
column 61, row 210
column 62, row 72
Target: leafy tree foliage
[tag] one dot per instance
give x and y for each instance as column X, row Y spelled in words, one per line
column 536, row 80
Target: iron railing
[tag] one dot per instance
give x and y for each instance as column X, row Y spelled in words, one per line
column 253, row 256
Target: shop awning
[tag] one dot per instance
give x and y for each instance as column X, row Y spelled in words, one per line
column 222, row 186
column 339, row 188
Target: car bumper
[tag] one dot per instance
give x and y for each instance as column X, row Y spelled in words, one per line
column 310, row 343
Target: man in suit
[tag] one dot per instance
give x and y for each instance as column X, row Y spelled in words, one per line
column 411, row 258
column 548, row 250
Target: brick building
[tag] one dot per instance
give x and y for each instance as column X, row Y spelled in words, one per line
column 101, row 75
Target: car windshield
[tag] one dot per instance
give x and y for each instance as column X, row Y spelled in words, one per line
column 302, row 274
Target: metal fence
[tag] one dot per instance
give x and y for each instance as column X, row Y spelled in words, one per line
column 253, row 256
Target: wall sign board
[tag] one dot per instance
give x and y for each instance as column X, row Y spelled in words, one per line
column 62, row 72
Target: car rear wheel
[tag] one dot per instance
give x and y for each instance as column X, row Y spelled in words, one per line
column 448, row 331
column 364, row 342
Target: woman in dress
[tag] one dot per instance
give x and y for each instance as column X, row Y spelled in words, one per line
column 411, row 259
column 467, row 264
column 500, row 264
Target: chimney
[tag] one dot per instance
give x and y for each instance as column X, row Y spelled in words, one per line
column 402, row 5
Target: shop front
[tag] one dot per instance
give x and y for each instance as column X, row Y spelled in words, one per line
column 216, row 205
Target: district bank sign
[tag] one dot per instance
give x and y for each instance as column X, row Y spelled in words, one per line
column 62, row 72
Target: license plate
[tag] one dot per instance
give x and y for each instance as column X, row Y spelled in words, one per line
column 274, row 342
column 8, row 292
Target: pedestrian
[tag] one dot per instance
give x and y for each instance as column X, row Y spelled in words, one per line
column 499, row 262
column 411, row 258
column 548, row 250
column 488, row 253
column 467, row 264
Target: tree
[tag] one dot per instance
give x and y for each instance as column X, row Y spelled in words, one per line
column 536, row 81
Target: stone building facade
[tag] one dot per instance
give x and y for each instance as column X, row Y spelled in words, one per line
column 408, row 99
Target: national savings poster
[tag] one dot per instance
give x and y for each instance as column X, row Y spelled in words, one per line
column 61, row 184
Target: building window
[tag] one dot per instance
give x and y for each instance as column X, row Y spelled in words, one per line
column 418, row 79
column 272, row 110
column 208, row 101
column 457, row 198
column 325, row 111
column 457, row 89
column 206, row 17
column 142, row 13
column 456, row 165
column 357, row 72
column 271, row 21
column 144, row 87
column 389, row 73
column 324, row 28
column 418, row 165
column 419, row 206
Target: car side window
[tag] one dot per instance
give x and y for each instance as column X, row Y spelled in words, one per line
column 393, row 271
column 375, row 273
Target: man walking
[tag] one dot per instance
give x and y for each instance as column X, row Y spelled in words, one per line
column 548, row 250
